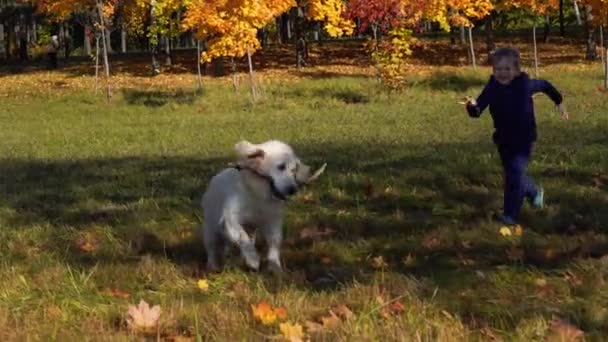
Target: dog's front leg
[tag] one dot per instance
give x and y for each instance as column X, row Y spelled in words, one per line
column 238, row 236
column 273, row 234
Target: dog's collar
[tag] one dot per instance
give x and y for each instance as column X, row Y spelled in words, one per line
column 273, row 188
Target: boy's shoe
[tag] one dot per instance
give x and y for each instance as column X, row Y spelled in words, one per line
column 506, row 220
column 538, row 202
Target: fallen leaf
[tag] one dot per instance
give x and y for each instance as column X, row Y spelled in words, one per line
column 203, row 285
column 343, row 312
column 465, row 261
column 86, row 243
column 326, row 260
column 313, row 327
column 396, row 307
column 310, row 233
column 466, row 244
column 116, row 293
column 431, row 242
column 505, row 231
column 572, row 279
column 379, row 262
column 142, row 317
column 518, row 230
column 331, row 322
column 292, row 332
column 281, row 313
column 544, row 290
column 266, row 314
column 515, row 253
column 562, row 331
column 409, row 260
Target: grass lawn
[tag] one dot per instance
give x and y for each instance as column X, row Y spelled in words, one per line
column 99, row 202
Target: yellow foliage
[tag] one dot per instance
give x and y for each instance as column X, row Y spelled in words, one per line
column 332, row 13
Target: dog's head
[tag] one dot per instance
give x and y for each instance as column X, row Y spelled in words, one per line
column 278, row 164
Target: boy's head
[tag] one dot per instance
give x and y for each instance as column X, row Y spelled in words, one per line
column 505, row 62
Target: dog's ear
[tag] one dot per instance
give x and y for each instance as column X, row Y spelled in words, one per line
column 249, row 155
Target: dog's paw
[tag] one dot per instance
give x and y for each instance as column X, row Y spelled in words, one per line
column 275, row 268
column 253, row 262
column 212, row 268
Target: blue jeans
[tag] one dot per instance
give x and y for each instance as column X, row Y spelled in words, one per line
column 518, row 185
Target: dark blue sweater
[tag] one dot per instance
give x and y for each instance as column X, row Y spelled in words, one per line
column 512, row 108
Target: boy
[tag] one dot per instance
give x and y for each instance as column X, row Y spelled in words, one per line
column 509, row 95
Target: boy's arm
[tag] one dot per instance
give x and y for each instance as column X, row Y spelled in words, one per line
column 547, row 88
column 475, row 108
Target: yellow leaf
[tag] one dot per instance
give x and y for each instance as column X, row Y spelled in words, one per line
column 203, row 285
column 292, row 332
column 505, row 231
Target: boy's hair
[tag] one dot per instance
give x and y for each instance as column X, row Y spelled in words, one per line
column 505, row 52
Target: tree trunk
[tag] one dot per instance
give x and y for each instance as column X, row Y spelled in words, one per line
column 106, row 63
column 490, row 44
column 167, row 51
column 34, row 30
column 154, row 42
column 67, row 40
column 602, row 55
column 198, row 65
column 301, row 48
column 108, row 44
column 547, row 31
column 578, row 13
column 96, row 64
column 472, row 48
column 606, row 69
column 279, row 31
column 562, row 28
column 1, row 41
column 463, row 35
column 87, row 40
column 254, row 93
column 235, row 84
column 123, row 39
column 535, row 51
column 591, row 53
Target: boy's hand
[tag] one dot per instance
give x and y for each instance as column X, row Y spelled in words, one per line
column 468, row 100
column 562, row 110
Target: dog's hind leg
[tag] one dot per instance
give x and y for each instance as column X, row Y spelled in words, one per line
column 213, row 245
column 273, row 235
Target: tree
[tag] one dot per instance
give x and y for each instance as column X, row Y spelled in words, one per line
column 597, row 12
column 101, row 10
column 229, row 27
column 538, row 8
column 462, row 12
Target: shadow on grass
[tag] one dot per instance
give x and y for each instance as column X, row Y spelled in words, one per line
column 452, row 82
column 156, row 197
column 157, row 98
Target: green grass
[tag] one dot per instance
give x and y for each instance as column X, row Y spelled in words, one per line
column 408, row 174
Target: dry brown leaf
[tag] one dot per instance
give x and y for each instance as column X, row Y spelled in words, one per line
column 116, row 293
column 313, row 233
column 431, row 242
column 409, row 260
column 572, row 279
column 544, row 289
column 142, row 316
column 379, row 262
column 515, row 253
column 562, row 331
column 343, row 312
column 331, row 322
column 86, row 243
column 326, row 260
